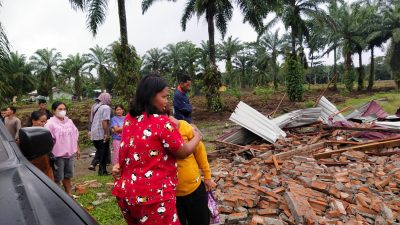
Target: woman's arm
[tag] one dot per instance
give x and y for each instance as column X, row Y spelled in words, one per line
column 189, row 147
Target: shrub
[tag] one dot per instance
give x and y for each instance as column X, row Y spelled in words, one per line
column 234, row 92
column 294, row 72
column 263, row 92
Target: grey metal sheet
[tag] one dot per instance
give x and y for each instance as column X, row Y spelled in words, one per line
column 254, row 121
column 329, row 110
column 298, row 118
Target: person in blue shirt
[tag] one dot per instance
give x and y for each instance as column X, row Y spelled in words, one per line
column 117, row 123
column 182, row 106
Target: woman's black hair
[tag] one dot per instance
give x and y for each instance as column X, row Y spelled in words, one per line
column 35, row 115
column 146, row 90
column 56, row 104
column 118, row 106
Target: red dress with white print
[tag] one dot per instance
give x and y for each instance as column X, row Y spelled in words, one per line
column 146, row 189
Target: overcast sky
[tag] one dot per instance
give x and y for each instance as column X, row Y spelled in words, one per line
column 35, row 24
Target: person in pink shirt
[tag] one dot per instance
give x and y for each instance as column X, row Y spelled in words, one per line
column 66, row 148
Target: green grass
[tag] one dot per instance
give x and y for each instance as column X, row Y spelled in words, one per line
column 390, row 101
column 107, row 213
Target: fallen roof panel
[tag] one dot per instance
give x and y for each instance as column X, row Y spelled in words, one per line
column 298, row 118
column 254, row 121
column 329, row 111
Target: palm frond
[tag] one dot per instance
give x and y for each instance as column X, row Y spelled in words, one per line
column 96, row 14
column 188, row 13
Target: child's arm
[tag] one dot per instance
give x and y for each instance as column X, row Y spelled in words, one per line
column 200, row 155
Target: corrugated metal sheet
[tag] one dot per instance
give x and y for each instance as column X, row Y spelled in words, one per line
column 392, row 125
column 298, row 118
column 370, row 110
column 329, row 111
column 254, row 121
column 240, row 136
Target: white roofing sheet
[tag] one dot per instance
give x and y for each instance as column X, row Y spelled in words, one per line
column 329, row 110
column 298, row 118
column 254, row 121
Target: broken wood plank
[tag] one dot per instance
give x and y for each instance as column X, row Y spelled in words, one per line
column 235, row 147
column 275, row 163
column 344, row 142
column 306, row 150
column 384, row 130
column 365, row 147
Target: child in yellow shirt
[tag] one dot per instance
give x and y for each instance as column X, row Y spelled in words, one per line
column 191, row 191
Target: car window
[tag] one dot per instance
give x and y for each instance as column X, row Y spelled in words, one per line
column 3, row 152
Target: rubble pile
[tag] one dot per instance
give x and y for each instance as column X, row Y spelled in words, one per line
column 348, row 188
column 313, row 175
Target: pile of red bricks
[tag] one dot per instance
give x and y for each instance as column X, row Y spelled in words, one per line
column 285, row 184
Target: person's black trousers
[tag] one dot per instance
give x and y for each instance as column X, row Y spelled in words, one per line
column 193, row 208
column 101, row 157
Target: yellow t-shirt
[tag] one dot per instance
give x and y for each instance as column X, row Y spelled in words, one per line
column 189, row 177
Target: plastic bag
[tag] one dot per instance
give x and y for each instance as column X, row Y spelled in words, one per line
column 213, row 207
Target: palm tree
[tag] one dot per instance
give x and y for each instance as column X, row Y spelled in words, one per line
column 154, row 60
column 77, row 66
column 190, row 55
column 228, row 49
column 96, row 15
column 174, row 58
column 204, row 53
column 273, row 43
column 45, row 63
column 293, row 14
column 4, row 44
column 346, row 35
column 16, row 73
column 218, row 13
column 331, row 38
column 392, row 27
column 100, row 59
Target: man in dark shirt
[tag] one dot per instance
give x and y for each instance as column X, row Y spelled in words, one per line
column 43, row 108
column 182, row 106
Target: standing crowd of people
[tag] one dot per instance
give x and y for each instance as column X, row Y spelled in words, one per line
column 160, row 165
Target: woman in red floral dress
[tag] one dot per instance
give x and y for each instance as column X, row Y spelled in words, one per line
column 146, row 175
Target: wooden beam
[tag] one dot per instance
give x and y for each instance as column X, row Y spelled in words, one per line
column 306, row 150
column 238, row 148
column 364, row 147
column 383, row 130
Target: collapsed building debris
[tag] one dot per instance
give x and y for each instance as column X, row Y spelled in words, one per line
column 317, row 174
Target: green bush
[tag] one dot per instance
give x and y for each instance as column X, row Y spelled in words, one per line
column 309, row 104
column 263, row 92
column 234, row 92
column 294, row 72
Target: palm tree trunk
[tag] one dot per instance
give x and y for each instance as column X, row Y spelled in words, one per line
column 122, row 25
column 293, row 36
column 360, row 72
column 212, row 79
column 275, row 73
column 371, row 71
column 335, row 70
column 211, row 32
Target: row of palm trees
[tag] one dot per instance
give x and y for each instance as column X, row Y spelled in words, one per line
column 323, row 26
column 47, row 69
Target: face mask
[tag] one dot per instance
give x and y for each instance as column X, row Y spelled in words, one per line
column 62, row 113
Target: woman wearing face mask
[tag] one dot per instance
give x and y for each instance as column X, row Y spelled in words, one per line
column 66, row 147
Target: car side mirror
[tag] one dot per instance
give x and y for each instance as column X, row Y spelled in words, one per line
column 35, row 142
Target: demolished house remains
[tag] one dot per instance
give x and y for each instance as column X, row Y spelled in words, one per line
column 309, row 166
